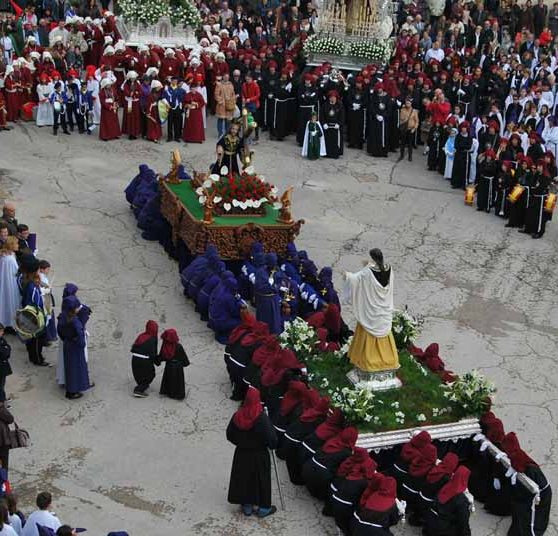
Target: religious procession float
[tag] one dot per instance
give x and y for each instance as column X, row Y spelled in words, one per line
column 231, row 208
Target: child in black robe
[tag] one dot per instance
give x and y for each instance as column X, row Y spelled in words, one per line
column 144, row 358
column 529, row 516
column 175, row 358
column 319, row 471
column 352, row 478
column 451, row 509
column 378, row 510
column 251, row 431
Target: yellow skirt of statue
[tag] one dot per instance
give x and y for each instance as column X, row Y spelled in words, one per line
column 372, row 354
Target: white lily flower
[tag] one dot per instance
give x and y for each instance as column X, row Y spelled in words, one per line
column 261, row 177
column 199, row 190
column 224, row 170
column 263, row 200
column 257, row 203
column 207, row 183
column 277, row 205
column 202, row 199
column 242, row 205
column 249, row 203
column 227, row 206
column 235, row 202
column 217, row 199
column 214, row 177
column 249, row 170
column 274, row 190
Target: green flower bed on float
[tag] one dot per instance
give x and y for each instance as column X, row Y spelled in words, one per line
column 424, row 399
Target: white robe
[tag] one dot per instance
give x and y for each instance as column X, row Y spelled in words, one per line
column 45, row 112
column 449, row 160
column 372, row 303
column 42, row 517
column 473, row 163
column 15, row 523
column 10, row 298
column 93, row 86
column 323, row 151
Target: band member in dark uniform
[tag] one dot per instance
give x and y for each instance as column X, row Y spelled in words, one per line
column 308, row 102
column 270, row 83
column 462, row 158
column 356, row 113
column 486, row 180
column 378, row 115
column 282, row 105
column 333, row 121
column 536, row 215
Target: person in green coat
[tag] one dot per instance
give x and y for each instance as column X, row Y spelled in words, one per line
column 314, row 143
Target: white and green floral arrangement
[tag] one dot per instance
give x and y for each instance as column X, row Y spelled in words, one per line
column 356, row 404
column 299, row 336
column 323, row 45
column 371, row 50
column 344, row 350
column 181, row 12
column 471, row 392
column 406, row 327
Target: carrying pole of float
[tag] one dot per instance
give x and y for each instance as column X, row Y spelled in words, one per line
column 274, row 459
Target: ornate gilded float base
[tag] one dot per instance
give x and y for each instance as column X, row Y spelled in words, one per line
column 380, row 380
column 232, row 241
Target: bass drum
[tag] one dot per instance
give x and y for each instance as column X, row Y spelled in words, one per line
column 163, row 111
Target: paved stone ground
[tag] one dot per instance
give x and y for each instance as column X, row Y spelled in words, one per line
column 115, row 462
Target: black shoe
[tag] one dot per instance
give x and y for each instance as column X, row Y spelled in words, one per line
column 536, row 235
column 43, row 363
column 91, row 385
column 523, row 231
column 410, row 158
column 55, row 133
column 10, row 331
column 400, row 158
column 140, row 394
column 66, row 132
column 73, row 396
column 509, row 225
column 168, row 141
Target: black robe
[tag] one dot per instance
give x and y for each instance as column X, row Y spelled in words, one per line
column 232, row 151
column 461, row 161
column 308, row 102
column 143, row 368
column 172, row 383
column 250, row 481
column 371, row 523
column 282, row 109
column 333, row 121
column 434, row 147
column 536, row 217
column 294, row 435
column 282, row 422
column 498, row 493
column 345, row 491
column 236, row 359
column 518, row 209
column 505, row 183
column 356, row 115
column 449, row 519
column 522, row 502
column 319, row 471
column 271, row 82
column 486, row 185
column 379, row 112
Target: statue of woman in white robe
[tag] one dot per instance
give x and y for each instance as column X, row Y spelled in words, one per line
column 370, row 291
